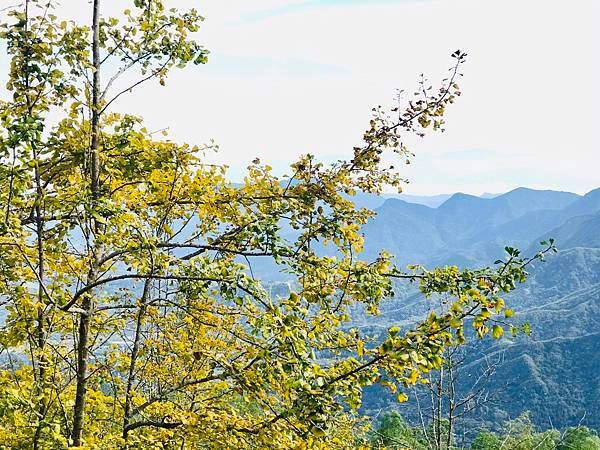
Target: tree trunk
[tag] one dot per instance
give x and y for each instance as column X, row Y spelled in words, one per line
column 134, row 354
column 82, row 360
column 88, row 302
column 438, row 425
column 41, row 317
column 451, row 399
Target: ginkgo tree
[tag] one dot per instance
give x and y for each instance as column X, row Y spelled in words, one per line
column 132, row 317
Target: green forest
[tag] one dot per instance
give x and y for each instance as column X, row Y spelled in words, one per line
column 149, row 301
column 516, row 434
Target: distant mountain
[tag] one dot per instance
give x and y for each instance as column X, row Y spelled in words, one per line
column 371, row 201
column 578, row 231
column 553, row 373
column 407, row 230
column 466, row 229
column 464, row 216
column 589, row 203
column 524, row 199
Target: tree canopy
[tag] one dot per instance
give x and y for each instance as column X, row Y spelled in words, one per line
column 132, row 316
column 517, row 434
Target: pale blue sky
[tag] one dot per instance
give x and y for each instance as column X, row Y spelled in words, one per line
column 291, row 7
column 292, row 76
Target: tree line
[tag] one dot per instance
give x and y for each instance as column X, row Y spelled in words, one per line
column 394, row 433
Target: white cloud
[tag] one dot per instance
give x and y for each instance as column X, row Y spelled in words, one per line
column 293, row 79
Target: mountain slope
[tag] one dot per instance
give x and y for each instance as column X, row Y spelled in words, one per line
column 468, row 230
column 554, row 372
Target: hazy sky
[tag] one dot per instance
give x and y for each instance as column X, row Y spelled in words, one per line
column 292, row 76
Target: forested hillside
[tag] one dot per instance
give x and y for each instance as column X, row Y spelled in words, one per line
column 553, row 372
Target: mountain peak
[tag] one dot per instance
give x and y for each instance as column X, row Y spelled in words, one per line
column 593, row 193
column 535, row 199
column 588, row 204
column 399, row 204
column 460, row 198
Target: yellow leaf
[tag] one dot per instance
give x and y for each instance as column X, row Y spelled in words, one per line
column 402, row 397
column 497, row 331
column 360, row 347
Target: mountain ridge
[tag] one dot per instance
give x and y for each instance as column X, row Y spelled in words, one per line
column 561, row 299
